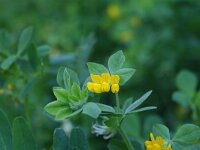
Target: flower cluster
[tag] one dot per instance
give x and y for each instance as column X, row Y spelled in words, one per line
column 103, row 83
column 157, row 144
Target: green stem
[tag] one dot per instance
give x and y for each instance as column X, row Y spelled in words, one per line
column 126, row 139
column 27, row 111
column 117, row 102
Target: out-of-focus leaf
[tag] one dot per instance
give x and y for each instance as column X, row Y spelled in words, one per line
column 186, row 81
column 22, row 136
column 24, row 40
column 8, row 62
column 27, row 88
column 116, row 144
column 181, row 99
column 125, row 74
column 60, row 140
column 78, row 140
column 43, row 50
column 130, row 123
column 116, row 61
column 5, row 132
column 32, row 55
column 95, row 68
column 91, row 109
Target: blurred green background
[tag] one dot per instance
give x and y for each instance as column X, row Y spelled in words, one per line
column 159, row 39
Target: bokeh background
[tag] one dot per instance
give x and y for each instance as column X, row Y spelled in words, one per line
column 160, row 39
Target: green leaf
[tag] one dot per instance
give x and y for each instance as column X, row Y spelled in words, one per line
column 187, row 134
column 70, row 77
column 194, row 147
column 33, row 58
column 75, row 90
column 149, row 122
column 8, row 62
column 132, row 122
column 27, row 88
column 181, row 99
column 142, row 109
column 78, row 140
column 60, row 140
column 43, row 50
column 60, row 94
column 22, row 136
column 60, row 79
column 138, row 102
column 24, row 40
column 91, row 109
column 66, row 113
column 125, row 74
column 54, row 107
column 95, row 68
column 105, row 108
column 161, row 130
column 188, row 87
column 178, row 146
column 116, row 61
column 127, row 103
column 5, row 132
column 84, row 94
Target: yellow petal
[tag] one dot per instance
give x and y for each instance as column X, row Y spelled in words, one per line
column 106, row 77
column 1, row 91
column 97, row 88
column 156, row 147
column 90, row 86
column 96, row 78
column 105, row 87
column 151, row 137
column 115, row 88
column 159, row 140
column 115, row 79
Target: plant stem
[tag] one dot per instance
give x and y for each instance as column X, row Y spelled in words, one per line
column 117, row 102
column 121, row 131
column 126, row 139
column 27, row 111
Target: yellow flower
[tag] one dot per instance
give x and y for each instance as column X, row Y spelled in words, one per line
column 126, row 36
column 90, row 86
column 157, row 144
column 135, row 21
column 101, row 83
column 113, row 11
column 97, row 88
column 105, row 87
column 1, row 91
column 115, row 79
column 115, row 88
column 10, row 87
column 96, row 78
column 106, row 77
